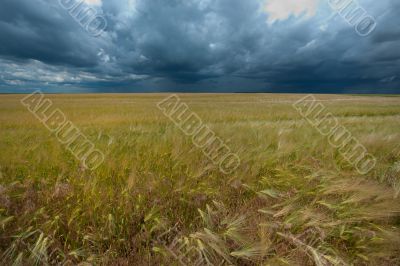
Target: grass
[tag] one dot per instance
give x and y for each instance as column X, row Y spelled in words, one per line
column 292, row 201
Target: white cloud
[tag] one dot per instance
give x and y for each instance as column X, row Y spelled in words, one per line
column 93, row 2
column 283, row 9
column 33, row 71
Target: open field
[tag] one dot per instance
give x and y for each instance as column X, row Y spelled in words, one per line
column 293, row 200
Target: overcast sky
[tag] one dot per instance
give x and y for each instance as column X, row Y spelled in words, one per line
column 197, row 45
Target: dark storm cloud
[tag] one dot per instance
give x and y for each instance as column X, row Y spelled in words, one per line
column 40, row 30
column 197, row 45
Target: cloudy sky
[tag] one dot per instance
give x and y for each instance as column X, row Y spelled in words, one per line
column 197, row 45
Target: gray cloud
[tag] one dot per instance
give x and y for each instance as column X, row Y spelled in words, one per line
column 196, row 45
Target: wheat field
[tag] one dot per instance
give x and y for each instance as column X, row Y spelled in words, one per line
column 293, row 200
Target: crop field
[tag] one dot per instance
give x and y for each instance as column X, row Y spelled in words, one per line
column 157, row 199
